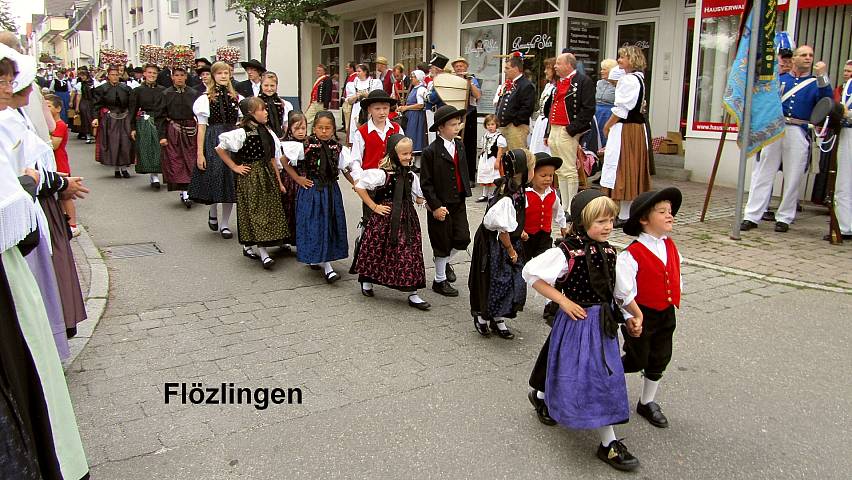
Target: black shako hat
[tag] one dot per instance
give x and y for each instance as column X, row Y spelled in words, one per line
column 438, row 60
column 444, row 114
column 644, row 202
column 543, row 159
column 578, row 203
column 253, row 63
column 378, row 96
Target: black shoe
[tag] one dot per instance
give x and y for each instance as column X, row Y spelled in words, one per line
column 314, row 267
column 444, row 288
column 331, row 277
column 117, row 174
column 212, row 223
column 248, row 252
column 89, row 141
column 268, row 262
column 769, row 216
column 505, row 334
column 155, row 185
column 125, row 174
column 226, row 233
column 481, row 328
column 187, row 203
column 652, row 412
column 451, row 274
column 366, row 292
column 781, row 227
column 419, row 305
column 540, row 409
column 747, row 225
column 843, row 236
column 617, row 456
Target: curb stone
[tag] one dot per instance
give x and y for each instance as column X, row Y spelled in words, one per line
column 97, row 298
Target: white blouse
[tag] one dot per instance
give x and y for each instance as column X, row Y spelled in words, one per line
column 627, row 94
column 201, row 108
column 549, row 266
column 369, row 84
column 501, row 217
column 295, row 152
column 376, row 177
column 233, row 141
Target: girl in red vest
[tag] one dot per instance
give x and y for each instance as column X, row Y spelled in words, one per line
column 648, row 278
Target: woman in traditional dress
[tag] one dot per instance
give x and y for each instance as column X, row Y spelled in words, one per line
column 415, row 126
column 537, row 138
column 212, row 182
column 110, row 110
column 356, row 91
column 83, row 104
column 626, row 170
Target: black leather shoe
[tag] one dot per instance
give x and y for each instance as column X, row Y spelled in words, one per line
column 769, row 216
column 212, row 223
column 248, row 252
column 226, row 233
column 419, row 305
column 444, row 288
column 505, row 334
column 331, row 277
column 117, row 174
column 366, row 292
column 451, row 274
column 125, row 174
column 187, row 203
column 653, row 414
column 540, row 409
column 481, row 328
column 617, row 456
column 268, row 262
column 747, row 225
column 781, row 227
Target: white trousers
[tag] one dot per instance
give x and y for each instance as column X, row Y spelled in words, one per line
column 793, row 152
column 843, row 183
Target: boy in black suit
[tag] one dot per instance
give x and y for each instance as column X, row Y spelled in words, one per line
column 445, row 184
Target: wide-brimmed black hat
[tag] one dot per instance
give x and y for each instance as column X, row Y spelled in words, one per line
column 445, row 113
column 579, row 202
column 438, row 60
column 205, row 68
column 253, row 63
column 543, row 159
column 378, row 96
column 645, row 202
column 138, row 70
column 204, row 61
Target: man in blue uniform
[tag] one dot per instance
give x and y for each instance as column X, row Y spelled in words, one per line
column 800, row 91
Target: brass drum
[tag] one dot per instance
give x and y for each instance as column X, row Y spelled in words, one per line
column 452, row 89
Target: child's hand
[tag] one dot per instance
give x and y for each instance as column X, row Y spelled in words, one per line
column 634, row 326
column 440, row 214
column 304, row 182
column 201, row 163
column 524, row 236
column 282, row 188
column 164, row 142
column 241, row 169
column 382, row 210
column 574, row 311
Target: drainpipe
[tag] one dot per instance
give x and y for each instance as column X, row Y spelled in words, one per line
column 430, row 15
column 248, row 36
column 299, row 66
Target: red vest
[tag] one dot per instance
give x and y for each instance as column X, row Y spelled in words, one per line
column 374, row 147
column 458, row 170
column 539, row 214
column 657, row 286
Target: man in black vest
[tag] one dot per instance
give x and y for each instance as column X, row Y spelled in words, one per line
column 515, row 102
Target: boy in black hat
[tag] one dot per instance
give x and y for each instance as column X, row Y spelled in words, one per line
column 445, row 186
column 251, row 87
column 369, row 141
column 647, row 275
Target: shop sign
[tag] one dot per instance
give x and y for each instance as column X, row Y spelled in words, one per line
column 537, row 42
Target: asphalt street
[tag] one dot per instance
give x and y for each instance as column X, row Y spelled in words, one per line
column 759, row 386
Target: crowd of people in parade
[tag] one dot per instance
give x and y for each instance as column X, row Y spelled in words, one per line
column 221, row 143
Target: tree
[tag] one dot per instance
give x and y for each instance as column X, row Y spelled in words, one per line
column 7, row 21
column 289, row 12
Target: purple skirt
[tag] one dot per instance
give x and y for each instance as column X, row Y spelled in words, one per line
column 585, row 387
column 41, row 264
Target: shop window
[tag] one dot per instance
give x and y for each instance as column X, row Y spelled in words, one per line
column 473, row 11
column 364, row 30
column 479, row 45
column 633, row 5
column 519, row 8
column 586, row 40
column 330, row 36
column 717, row 47
column 597, row 7
column 366, row 53
column 408, row 51
column 408, row 22
column 640, row 35
column 537, row 38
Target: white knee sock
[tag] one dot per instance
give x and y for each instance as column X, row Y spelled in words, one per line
column 441, row 268
column 416, row 298
column 326, row 267
column 226, row 215
column 624, row 212
column 261, row 251
column 453, row 253
column 539, row 394
column 213, row 211
column 481, row 320
column 649, row 390
column 501, row 323
column 607, row 435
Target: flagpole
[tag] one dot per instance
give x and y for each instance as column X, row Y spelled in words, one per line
column 745, row 126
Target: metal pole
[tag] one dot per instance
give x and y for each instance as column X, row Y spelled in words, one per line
column 745, row 128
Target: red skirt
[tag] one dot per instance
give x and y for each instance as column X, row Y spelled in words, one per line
column 181, row 153
column 398, row 266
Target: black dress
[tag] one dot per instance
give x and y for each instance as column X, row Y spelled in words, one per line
column 215, row 184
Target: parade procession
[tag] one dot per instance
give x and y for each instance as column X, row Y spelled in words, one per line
column 491, row 239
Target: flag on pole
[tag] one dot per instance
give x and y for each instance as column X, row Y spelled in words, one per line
column 767, row 117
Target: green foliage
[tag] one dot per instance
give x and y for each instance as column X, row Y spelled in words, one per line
column 7, row 21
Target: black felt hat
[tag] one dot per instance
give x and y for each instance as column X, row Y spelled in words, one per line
column 253, row 63
column 438, row 60
column 204, row 61
column 645, row 202
column 378, row 96
column 445, row 113
column 205, row 68
column 543, row 159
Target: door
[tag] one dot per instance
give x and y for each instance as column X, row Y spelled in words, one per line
column 643, row 35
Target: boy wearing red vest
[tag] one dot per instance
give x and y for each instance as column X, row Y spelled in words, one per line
column 647, row 274
column 369, row 142
column 543, row 207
